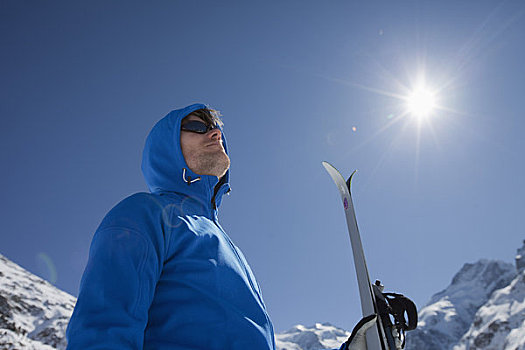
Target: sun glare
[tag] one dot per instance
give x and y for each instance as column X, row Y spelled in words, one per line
column 421, row 102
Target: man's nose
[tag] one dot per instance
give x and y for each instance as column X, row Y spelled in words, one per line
column 215, row 134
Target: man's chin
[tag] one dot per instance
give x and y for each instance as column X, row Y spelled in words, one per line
column 216, row 165
column 225, row 167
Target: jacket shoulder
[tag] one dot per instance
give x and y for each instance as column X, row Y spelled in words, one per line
column 139, row 212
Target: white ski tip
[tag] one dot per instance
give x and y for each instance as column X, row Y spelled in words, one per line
column 328, row 166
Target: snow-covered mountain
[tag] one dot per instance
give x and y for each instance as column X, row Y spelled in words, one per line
column 449, row 314
column 482, row 309
column 499, row 323
column 33, row 313
column 316, row 337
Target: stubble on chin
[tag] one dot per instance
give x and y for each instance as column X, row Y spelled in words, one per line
column 209, row 163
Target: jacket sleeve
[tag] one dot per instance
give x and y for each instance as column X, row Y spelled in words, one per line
column 116, row 290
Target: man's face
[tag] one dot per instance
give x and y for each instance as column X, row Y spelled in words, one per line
column 204, row 153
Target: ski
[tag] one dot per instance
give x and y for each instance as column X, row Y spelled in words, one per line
column 375, row 336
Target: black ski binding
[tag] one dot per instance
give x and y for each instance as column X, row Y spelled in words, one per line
column 395, row 305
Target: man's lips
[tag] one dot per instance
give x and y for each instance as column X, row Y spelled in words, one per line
column 216, row 143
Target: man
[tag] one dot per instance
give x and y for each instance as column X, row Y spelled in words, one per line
column 162, row 273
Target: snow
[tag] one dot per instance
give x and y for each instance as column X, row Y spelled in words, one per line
column 12, row 340
column 33, row 313
column 318, row 336
column 499, row 324
column 449, row 314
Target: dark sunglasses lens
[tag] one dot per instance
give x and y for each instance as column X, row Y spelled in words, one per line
column 195, row 126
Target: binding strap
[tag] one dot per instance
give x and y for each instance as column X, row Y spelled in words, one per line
column 399, row 305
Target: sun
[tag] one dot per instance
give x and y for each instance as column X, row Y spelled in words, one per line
column 421, row 102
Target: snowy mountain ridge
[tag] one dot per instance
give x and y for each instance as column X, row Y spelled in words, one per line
column 33, row 313
column 316, row 337
column 449, row 313
column 499, row 323
column 482, row 309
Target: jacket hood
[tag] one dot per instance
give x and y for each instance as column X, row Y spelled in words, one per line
column 165, row 169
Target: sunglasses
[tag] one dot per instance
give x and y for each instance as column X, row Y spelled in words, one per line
column 197, row 126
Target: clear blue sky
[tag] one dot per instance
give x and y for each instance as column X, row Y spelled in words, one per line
column 82, row 83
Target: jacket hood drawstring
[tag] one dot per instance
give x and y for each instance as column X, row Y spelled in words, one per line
column 189, row 181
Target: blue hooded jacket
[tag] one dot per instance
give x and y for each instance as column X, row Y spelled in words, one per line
column 162, row 273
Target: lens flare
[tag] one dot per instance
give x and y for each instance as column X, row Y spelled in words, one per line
column 47, row 267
